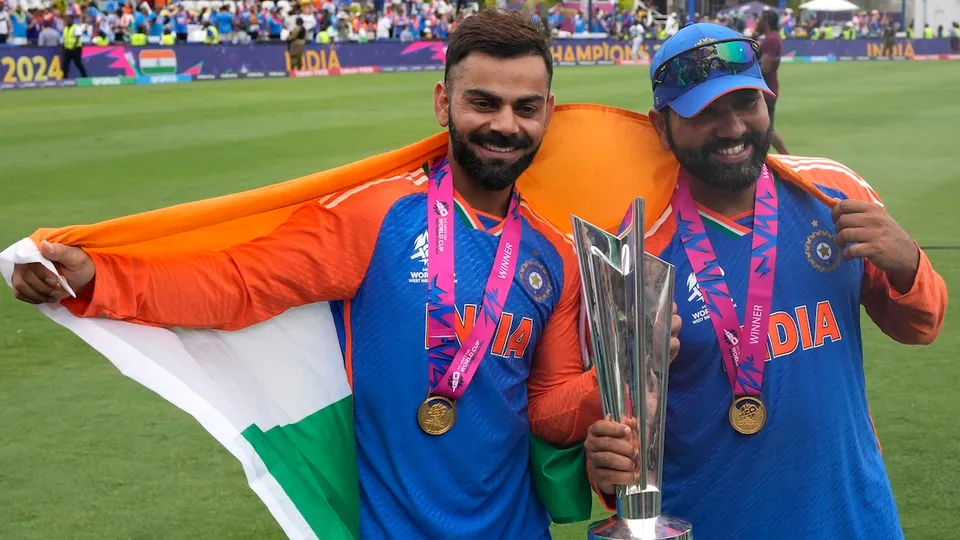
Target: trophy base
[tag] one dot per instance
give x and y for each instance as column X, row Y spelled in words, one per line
column 658, row 528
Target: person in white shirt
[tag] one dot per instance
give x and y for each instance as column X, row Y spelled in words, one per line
column 384, row 26
column 5, row 25
column 309, row 21
column 637, row 32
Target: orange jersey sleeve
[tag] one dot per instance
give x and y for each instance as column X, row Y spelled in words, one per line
column 914, row 317
column 564, row 400
column 320, row 253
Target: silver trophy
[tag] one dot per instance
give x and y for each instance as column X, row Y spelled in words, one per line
column 628, row 294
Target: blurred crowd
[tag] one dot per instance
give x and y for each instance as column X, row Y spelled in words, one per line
column 103, row 22
column 234, row 21
column 862, row 25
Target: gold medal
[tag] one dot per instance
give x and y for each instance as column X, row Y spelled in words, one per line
column 436, row 415
column 747, row 415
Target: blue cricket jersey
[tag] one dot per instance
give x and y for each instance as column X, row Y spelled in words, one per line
column 815, row 470
column 473, row 481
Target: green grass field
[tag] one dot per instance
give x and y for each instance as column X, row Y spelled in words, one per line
column 87, row 453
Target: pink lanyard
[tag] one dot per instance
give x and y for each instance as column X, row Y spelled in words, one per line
column 452, row 368
column 743, row 350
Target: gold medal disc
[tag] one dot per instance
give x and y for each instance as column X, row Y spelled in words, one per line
column 436, row 415
column 747, row 415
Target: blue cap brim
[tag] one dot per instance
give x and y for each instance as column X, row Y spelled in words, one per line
column 697, row 98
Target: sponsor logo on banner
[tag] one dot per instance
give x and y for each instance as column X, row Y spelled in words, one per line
column 634, row 62
column 334, row 71
column 163, row 79
column 159, row 79
column 106, row 81
column 928, row 57
column 397, row 69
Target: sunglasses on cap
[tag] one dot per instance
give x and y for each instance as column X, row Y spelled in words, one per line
column 694, row 66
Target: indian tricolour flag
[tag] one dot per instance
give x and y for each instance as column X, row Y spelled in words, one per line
column 277, row 395
column 158, row 61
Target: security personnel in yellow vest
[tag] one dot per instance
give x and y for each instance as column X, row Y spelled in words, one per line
column 101, row 40
column 323, row 37
column 661, row 34
column 815, row 32
column 139, row 39
column 168, row 38
column 927, row 32
column 848, row 32
column 72, row 47
column 828, row 32
column 211, row 36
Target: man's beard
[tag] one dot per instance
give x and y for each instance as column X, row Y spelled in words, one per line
column 729, row 177
column 491, row 174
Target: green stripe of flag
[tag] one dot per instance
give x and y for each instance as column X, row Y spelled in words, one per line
column 315, row 462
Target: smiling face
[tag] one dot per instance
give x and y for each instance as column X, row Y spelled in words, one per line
column 496, row 111
column 723, row 146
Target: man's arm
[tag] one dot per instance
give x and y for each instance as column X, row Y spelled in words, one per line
column 564, row 400
column 320, row 253
column 902, row 293
column 910, row 312
column 766, row 64
column 770, row 51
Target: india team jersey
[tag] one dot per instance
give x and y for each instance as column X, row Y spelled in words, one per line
column 365, row 251
column 815, row 470
column 472, row 482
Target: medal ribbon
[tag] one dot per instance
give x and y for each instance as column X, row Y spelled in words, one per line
column 452, row 367
column 743, row 350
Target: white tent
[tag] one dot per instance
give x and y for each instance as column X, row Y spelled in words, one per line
column 829, row 5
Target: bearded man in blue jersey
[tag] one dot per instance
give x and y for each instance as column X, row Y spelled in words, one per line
column 768, row 438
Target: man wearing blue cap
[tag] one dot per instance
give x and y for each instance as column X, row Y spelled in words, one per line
column 768, row 431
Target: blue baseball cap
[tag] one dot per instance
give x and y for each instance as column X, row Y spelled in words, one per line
column 688, row 99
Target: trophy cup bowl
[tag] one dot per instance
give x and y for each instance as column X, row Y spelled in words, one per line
column 628, row 295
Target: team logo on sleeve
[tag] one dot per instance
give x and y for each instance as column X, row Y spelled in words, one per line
column 536, row 280
column 822, row 251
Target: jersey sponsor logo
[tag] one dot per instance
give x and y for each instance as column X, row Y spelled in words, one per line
column 535, row 280
column 421, row 254
column 821, row 250
column 511, row 338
